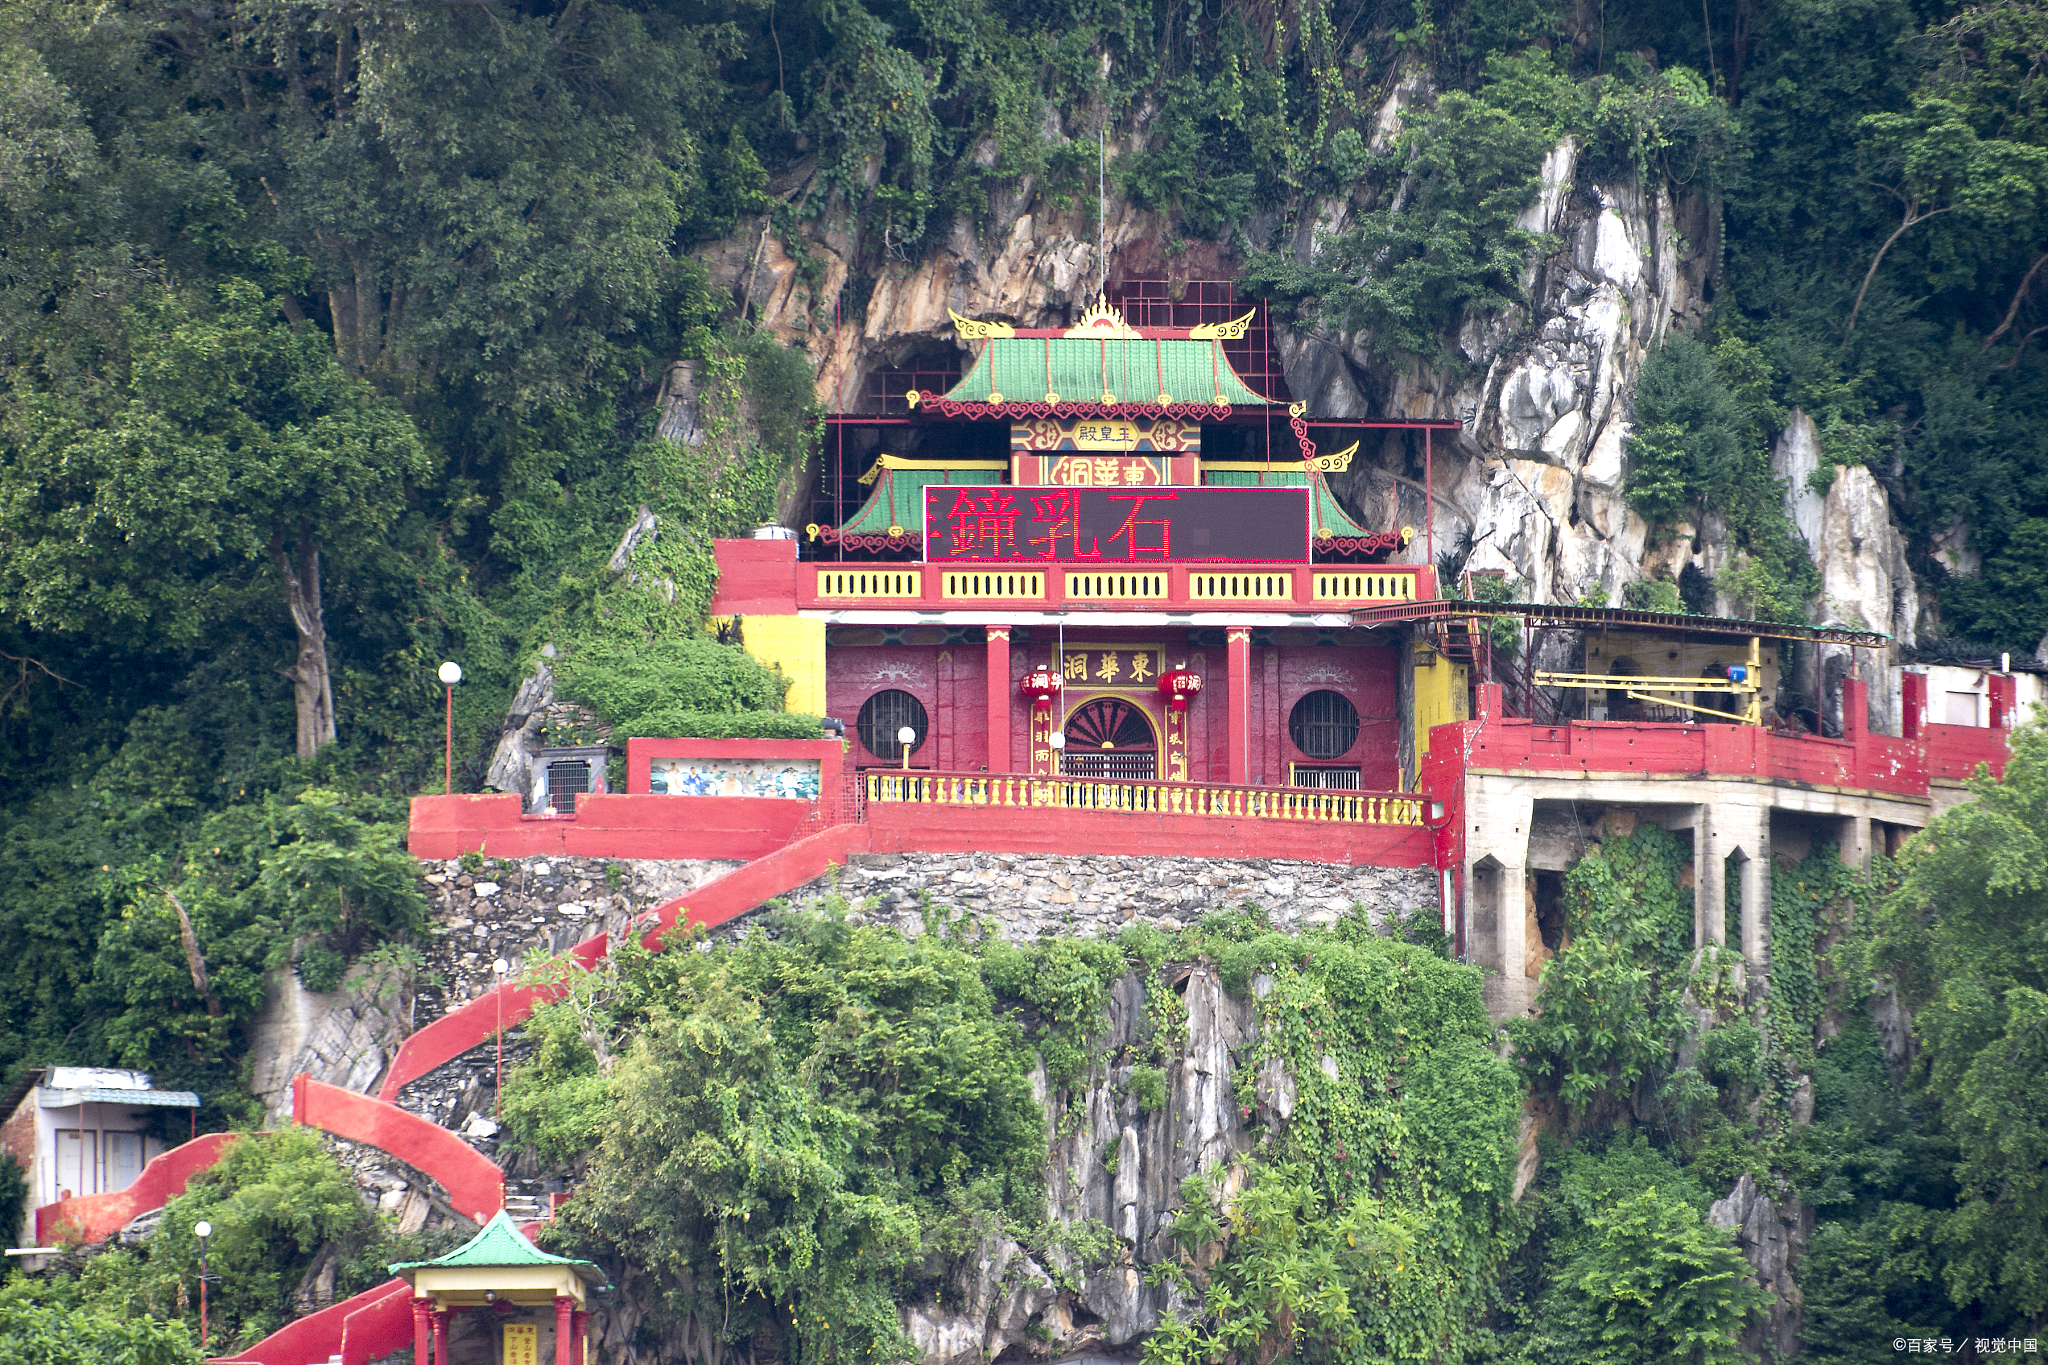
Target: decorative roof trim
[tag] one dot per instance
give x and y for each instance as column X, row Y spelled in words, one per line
column 1017, row 410
column 1234, row 330
column 967, row 329
column 883, row 462
column 1102, row 322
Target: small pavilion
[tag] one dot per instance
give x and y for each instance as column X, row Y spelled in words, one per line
column 504, row 1285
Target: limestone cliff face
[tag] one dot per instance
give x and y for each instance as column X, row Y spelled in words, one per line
column 1114, row 1166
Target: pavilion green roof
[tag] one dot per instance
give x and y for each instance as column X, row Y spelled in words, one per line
column 501, row 1244
column 1085, row 369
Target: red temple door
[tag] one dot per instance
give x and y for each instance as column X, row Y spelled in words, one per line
column 1111, row 737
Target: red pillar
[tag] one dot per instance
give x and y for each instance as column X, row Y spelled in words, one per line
column 441, row 1337
column 581, row 1328
column 999, row 699
column 1913, row 706
column 2004, row 692
column 564, row 1306
column 1855, row 709
column 1237, row 642
column 422, row 1330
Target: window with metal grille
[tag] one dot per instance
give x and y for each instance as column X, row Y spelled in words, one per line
column 1345, row 779
column 567, row 781
column 1324, row 724
column 882, row 715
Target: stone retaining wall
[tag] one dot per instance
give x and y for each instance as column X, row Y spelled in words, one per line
column 1028, row 897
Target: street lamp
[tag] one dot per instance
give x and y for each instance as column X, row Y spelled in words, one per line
column 451, row 674
column 202, row 1230
column 906, row 737
column 500, row 967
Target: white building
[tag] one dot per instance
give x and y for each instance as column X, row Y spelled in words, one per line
column 80, row 1130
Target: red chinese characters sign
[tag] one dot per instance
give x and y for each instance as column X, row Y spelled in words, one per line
column 993, row 523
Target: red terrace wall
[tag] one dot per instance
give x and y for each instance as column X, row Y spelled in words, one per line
column 640, row 753
column 1954, row 751
column 474, row 1185
column 1859, row 760
column 894, row 828
column 607, row 826
column 755, row 578
column 96, row 1217
column 319, row 1336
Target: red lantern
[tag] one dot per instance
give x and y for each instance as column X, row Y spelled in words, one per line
column 1179, row 687
column 1041, row 685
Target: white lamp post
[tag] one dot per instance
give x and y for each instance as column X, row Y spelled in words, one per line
column 451, row 674
column 202, row 1230
column 499, row 968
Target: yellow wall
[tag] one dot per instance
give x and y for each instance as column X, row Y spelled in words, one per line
column 1440, row 698
column 797, row 646
column 1674, row 657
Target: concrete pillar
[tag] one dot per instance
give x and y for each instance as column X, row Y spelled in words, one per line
column 564, row 1352
column 1856, row 842
column 422, row 1330
column 1514, row 929
column 1497, row 815
column 441, row 1336
column 1709, row 904
column 999, row 700
column 1756, row 899
column 581, row 1320
column 1237, row 642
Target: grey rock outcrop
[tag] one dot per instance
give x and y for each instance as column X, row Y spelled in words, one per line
column 343, row 1037
column 512, row 764
column 1115, row 1164
column 1866, row 583
column 1773, row 1237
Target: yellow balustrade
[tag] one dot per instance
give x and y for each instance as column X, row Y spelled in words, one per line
column 1149, row 798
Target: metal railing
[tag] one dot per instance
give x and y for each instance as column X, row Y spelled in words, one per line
column 1146, row 798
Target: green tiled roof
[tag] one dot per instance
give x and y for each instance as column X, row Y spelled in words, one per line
column 898, row 499
column 1326, row 516
column 501, row 1244
column 1082, row 369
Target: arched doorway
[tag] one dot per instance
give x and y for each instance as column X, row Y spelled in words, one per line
column 1111, row 737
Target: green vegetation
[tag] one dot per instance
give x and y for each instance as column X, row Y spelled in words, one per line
column 330, row 339
column 863, row 1115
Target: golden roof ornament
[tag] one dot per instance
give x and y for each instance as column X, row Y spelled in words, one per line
column 1337, row 462
column 1102, row 322
column 967, row 329
column 1234, row 330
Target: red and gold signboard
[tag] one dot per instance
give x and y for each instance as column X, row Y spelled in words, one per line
column 995, row 524
column 1112, row 666
column 1144, row 434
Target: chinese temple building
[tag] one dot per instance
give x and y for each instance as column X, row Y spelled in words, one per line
column 1109, row 517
